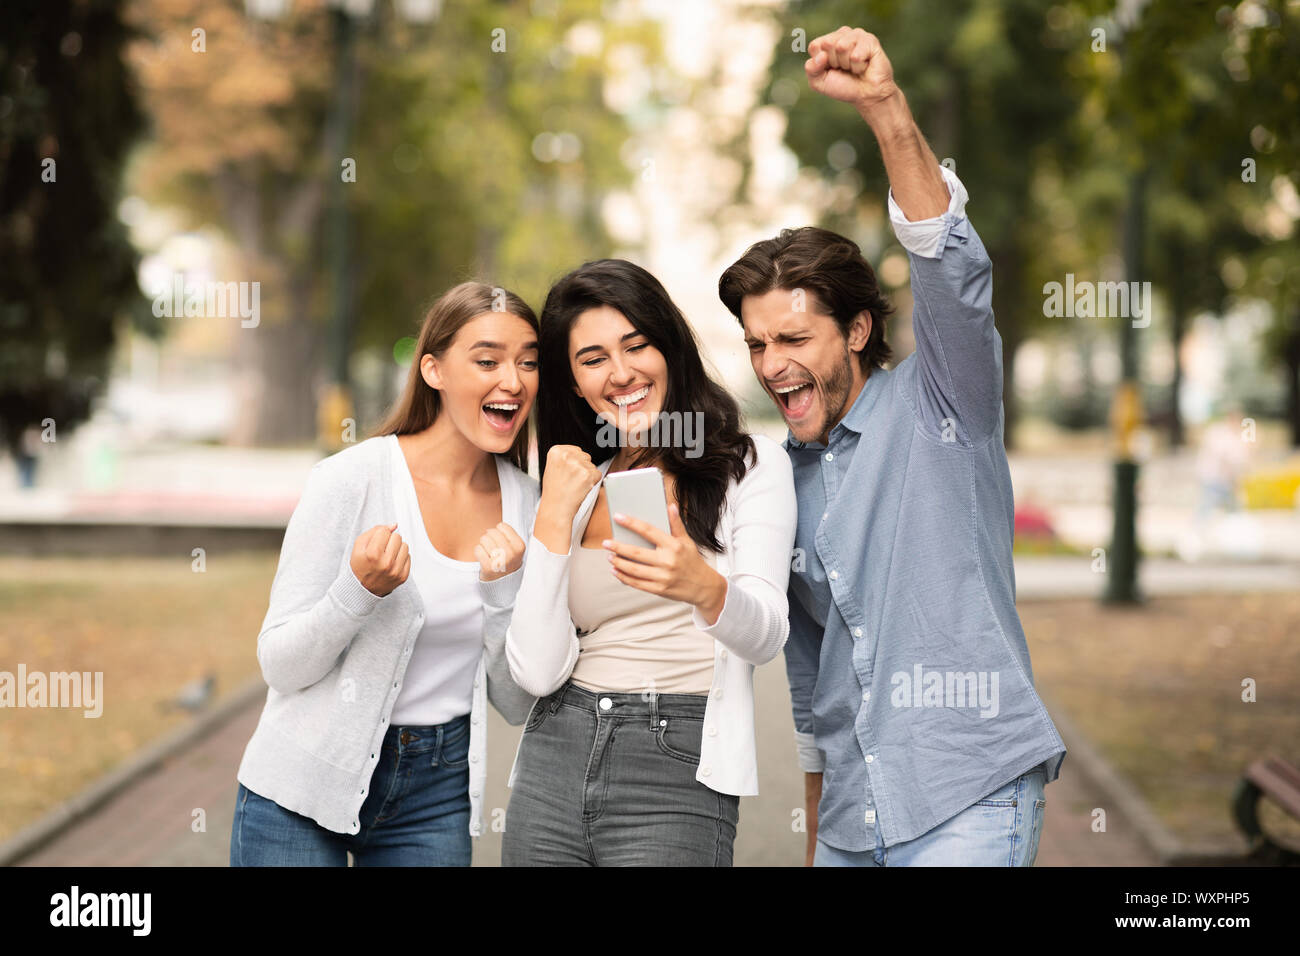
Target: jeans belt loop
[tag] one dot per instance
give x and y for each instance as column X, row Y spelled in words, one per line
column 654, row 709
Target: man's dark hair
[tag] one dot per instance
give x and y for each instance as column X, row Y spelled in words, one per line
column 824, row 264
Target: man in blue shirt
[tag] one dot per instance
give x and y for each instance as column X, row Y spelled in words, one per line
column 917, row 724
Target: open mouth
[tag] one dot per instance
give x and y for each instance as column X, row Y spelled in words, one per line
column 795, row 398
column 631, row 401
column 501, row 416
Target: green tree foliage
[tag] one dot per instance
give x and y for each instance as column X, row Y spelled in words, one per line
column 987, row 82
column 447, row 183
column 68, row 116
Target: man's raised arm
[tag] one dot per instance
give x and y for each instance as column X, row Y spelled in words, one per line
column 849, row 65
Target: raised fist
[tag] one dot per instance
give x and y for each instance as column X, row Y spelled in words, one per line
column 569, row 476
column 500, row 552
column 380, row 559
column 849, row 65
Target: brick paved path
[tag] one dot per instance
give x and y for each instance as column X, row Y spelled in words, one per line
column 153, row 822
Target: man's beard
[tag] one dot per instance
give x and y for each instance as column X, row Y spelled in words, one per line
column 835, row 395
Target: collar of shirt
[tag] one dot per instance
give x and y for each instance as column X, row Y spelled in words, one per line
column 855, row 419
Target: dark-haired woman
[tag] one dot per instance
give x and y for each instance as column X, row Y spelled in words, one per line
column 642, row 741
column 385, row 633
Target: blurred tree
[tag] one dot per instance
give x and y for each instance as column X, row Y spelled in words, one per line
column 481, row 148
column 1262, row 58
column 987, row 82
column 1173, row 110
column 68, row 115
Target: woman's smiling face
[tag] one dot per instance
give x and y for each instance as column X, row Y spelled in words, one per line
column 616, row 369
column 487, row 378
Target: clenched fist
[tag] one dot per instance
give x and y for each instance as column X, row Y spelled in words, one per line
column 850, row 66
column 380, row 559
column 569, row 476
column 500, row 552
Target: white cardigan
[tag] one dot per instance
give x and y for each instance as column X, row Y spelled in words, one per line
column 333, row 654
column 757, row 533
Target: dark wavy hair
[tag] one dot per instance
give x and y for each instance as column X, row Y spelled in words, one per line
column 565, row 418
column 828, row 265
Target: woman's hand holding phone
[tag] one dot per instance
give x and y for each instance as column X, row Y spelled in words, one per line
column 570, row 475
column 380, row 559
column 673, row 568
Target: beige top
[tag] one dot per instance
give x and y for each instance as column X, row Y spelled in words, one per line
column 631, row 641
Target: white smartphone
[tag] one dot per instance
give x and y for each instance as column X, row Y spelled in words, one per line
column 638, row 493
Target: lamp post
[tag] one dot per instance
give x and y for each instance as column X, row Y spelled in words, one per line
column 1126, row 407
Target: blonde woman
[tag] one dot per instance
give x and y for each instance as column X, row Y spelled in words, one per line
column 385, row 633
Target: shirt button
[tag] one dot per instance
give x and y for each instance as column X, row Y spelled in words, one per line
column 835, row 575
column 723, row 655
column 473, row 720
column 473, row 758
column 866, row 694
column 706, row 771
column 713, row 731
column 473, row 793
column 870, row 758
column 606, row 703
column 717, row 693
column 857, row 632
column 830, row 457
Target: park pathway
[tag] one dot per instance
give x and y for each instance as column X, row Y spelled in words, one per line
column 154, row 820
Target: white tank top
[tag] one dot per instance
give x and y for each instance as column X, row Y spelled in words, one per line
column 439, row 681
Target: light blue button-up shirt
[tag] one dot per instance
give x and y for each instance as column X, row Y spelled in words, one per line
column 909, row 672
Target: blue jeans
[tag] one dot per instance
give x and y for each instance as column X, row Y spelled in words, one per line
column 417, row 812
column 1000, row 830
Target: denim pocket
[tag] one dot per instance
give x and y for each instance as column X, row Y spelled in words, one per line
column 1004, row 796
column 680, row 737
column 536, row 716
column 454, row 754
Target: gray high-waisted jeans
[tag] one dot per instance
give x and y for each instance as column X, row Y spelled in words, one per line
column 609, row 780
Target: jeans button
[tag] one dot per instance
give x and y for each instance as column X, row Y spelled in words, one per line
column 606, row 703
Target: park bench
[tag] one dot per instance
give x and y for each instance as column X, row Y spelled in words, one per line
column 1277, row 841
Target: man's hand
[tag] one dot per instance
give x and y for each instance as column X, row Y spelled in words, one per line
column 849, row 65
column 812, row 796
